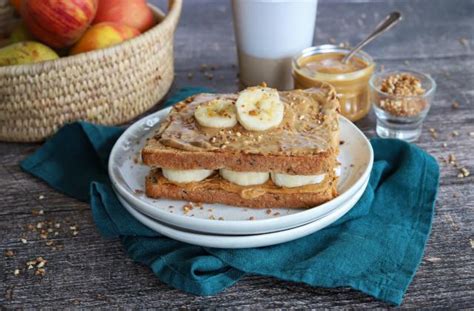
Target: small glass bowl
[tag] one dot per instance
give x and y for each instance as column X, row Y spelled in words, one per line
column 400, row 116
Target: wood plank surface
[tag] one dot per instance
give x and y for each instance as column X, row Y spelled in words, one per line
column 85, row 270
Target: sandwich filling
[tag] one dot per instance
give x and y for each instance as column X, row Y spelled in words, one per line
column 216, row 181
column 246, row 179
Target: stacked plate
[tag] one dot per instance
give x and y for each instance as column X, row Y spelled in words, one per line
column 223, row 226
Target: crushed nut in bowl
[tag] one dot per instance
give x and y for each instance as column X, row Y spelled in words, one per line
column 401, row 101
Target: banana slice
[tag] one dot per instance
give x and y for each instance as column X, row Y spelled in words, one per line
column 186, row 176
column 244, row 178
column 259, row 108
column 218, row 113
column 292, row 181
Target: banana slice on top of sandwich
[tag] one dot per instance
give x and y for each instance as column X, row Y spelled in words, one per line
column 217, row 113
column 259, row 108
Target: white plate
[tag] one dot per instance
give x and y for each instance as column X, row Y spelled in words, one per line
column 128, row 177
column 244, row 241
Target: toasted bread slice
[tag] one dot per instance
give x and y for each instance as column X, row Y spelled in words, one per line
column 305, row 143
column 217, row 190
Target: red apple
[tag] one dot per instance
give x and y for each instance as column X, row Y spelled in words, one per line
column 103, row 35
column 134, row 13
column 58, row 23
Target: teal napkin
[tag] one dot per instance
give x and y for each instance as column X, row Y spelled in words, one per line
column 375, row 248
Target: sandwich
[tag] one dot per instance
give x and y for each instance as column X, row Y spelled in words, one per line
column 259, row 148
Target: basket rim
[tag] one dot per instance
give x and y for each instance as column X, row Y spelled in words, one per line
column 169, row 20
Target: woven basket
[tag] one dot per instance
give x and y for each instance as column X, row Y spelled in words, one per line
column 108, row 86
column 7, row 21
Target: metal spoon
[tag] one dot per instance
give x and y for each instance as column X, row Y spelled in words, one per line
column 391, row 20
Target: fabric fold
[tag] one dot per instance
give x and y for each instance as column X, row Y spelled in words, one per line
column 375, row 248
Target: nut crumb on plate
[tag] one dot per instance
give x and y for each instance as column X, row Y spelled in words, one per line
column 187, row 207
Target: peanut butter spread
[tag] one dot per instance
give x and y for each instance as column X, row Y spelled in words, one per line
column 309, row 126
column 246, row 192
column 332, row 63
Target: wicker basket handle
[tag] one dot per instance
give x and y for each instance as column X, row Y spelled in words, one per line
column 174, row 11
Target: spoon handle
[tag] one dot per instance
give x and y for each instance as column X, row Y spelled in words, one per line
column 391, row 20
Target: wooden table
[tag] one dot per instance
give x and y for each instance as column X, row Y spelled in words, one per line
column 85, row 270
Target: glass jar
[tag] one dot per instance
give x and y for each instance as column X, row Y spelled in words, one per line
column 323, row 64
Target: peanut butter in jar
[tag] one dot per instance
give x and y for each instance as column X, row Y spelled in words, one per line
column 351, row 81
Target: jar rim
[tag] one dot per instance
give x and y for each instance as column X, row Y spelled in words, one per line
column 330, row 48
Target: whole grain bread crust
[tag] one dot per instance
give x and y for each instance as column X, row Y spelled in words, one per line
column 295, row 165
column 266, row 200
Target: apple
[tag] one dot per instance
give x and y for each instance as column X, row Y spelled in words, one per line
column 58, row 23
column 134, row 13
column 103, row 35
